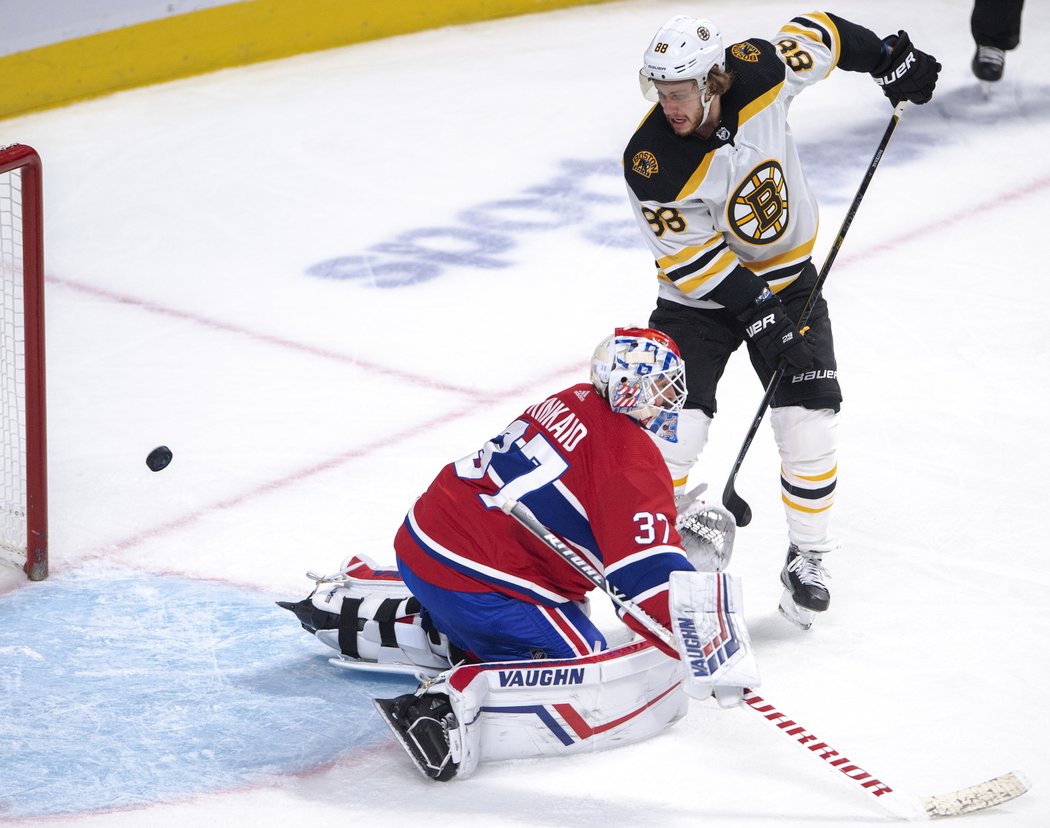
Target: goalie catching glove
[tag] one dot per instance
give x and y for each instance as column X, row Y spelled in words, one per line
column 707, row 531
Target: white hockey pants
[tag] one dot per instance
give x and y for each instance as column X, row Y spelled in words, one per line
column 808, row 441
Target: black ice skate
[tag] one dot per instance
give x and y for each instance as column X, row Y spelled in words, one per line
column 988, row 63
column 422, row 724
column 805, row 592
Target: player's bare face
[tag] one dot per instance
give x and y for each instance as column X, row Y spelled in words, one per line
column 682, row 106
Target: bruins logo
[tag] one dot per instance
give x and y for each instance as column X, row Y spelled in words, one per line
column 703, row 33
column 745, row 51
column 758, row 210
column 645, row 163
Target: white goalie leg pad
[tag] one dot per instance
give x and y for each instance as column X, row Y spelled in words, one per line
column 707, row 614
column 528, row 709
column 808, row 441
column 681, row 456
column 378, row 622
column 363, row 571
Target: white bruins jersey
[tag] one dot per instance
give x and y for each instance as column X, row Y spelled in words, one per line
column 706, row 205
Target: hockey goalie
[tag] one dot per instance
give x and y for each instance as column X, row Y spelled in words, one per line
column 483, row 608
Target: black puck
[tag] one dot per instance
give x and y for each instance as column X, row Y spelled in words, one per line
column 159, row 458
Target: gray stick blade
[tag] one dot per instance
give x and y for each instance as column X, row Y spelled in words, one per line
column 977, row 797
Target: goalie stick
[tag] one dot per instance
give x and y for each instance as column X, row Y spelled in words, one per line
column 977, row 797
column 556, row 544
column 968, row 800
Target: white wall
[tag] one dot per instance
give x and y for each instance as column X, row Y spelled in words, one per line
column 29, row 24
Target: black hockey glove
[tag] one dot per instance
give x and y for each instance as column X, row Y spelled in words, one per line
column 774, row 335
column 905, row 73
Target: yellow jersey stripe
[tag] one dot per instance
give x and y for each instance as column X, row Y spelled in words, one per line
column 758, row 104
column 723, row 264
column 800, row 252
column 686, row 253
column 694, row 180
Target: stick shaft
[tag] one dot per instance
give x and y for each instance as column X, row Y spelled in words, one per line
column 736, row 505
column 978, row 797
column 556, row 544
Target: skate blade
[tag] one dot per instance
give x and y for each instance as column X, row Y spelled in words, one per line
column 443, row 773
column 394, row 668
column 384, row 706
column 799, row 616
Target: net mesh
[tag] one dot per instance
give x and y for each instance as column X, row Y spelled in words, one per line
column 13, row 525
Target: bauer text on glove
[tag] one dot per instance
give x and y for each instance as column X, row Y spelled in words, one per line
column 773, row 334
column 905, row 73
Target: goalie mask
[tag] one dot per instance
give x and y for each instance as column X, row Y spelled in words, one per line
column 685, row 48
column 641, row 373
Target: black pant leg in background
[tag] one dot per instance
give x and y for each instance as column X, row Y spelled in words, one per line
column 996, row 23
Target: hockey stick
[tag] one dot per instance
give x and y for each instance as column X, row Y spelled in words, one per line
column 956, row 803
column 977, row 797
column 518, row 512
column 736, row 505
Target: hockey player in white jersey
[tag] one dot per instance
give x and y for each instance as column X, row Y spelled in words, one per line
column 719, row 193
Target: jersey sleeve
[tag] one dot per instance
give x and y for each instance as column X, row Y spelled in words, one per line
column 813, row 44
column 809, row 46
column 639, row 543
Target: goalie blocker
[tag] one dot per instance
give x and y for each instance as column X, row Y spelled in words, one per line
column 525, row 709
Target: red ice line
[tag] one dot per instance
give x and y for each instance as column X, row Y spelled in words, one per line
column 273, row 485
column 965, row 214
column 475, row 396
column 268, row 339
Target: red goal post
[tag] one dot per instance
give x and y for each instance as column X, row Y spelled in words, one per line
column 23, row 410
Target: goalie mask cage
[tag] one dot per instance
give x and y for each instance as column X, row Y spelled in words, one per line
column 23, row 415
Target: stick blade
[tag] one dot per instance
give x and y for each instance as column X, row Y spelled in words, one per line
column 977, row 797
column 736, row 506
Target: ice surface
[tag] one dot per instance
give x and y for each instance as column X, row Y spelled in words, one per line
column 317, row 280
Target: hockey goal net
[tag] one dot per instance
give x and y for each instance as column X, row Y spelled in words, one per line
column 23, row 512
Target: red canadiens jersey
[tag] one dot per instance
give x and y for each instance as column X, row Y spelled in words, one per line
column 593, row 477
